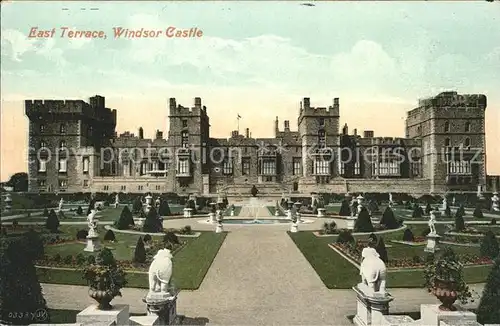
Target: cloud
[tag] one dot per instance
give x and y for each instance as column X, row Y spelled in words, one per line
column 16, row 42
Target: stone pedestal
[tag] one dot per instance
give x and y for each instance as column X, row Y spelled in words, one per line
column 119, row 315
column 431, row 315
column 162, row 305
column 295, row 227
column 93, row 244
column 321, row 212
column 212, row 218
column 150, row 320
column 219, row 228
column 432, row 243
column 277, row 212
column 289, row 214
column 350, row 222
column 495, row 202
column 188, row 212
column 371, row 306
column 232, row 212
column 299, row 217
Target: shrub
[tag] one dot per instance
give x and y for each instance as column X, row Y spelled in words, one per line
column 488, row 311
column 82, row 234
column 152, row 223
column 372, row 238
column 489, row 245
column 91, row 260
column 373, row 206
column 329, row 228
column 137, row 205
column 186, row 230
column 109, row 236
column 125, row 220
column 493, row 221
column 425, row 232
column 140, row 252
column 345, row 210
column 79, row 210
column 57, row 258
column 67, row 260
column 254, row 191
column 15, row 224
column 428, row 209
column 45, row 212
column 170, row 237
column 80, row 259
column 52, row 222
column 388, row 219
column 345, row 237
column 477, row 212
column 417, row 211
column 408, row 236
column 460, row 211
column 363, row 222
column 147, row 238
column 382, row 250
column 459, row 223
column 164, row 209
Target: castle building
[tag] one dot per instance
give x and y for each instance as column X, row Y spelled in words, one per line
column 74, row 148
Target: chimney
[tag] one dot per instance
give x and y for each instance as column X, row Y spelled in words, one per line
column 159, row 134
column 247, row 133
column 345, row 130
column 336, row 103
column 306, row 103
column 197, row 102
column 368, row 134
column 141, row 133
column 287, row 125
column 355, row 132
column 234, row 133
column 276, row 127
column 173, row 104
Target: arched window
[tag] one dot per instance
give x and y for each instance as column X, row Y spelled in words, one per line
column 62, row 145
column 43, row 144
column 447, row 142
column 62, row 128
column 467, row 143
column 321, row 138
column 467, row 126
column 446, row 126
column 185, row 139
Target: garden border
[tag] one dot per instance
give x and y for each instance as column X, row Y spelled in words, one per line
column 401, row 228
column 109, row 227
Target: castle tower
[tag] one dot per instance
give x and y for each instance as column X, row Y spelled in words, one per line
column 65, row 140
column 319, row 131
column 452, row 129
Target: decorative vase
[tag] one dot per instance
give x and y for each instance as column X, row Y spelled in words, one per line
column 103, row 298
column 446, row 293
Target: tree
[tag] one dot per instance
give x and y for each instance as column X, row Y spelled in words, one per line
column 489, row 245
column 382, row 250
column 428, row 209
column 408, row 236
column 164, row 209
column 18, row 181
column 52, row 222
column 82, row 234
column 137, row 205
column 388, row 219
column 152, row 224
column 125, row 220
column 460, row 211
column 459, row 223
column 140, row 252
column 109, row 236
column 254, row 191
column 345, row 210
column 345, row 237
column 79, row 210
column 20, row 290
column 488, row 312
column 363, row 222
column 417, row 211
column 477, row 212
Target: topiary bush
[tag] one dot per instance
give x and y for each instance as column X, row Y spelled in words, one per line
column 460, row 211
column 139, row 252
column 147, row 238
column 45, row 212
column 186, row 230
column 372, row 238
column 493, row 221
column 345, row 237
column 329, row 228
column 388, row 219
column 52, row 222
column 488, row 311
column 478, row 213
column 408, row 236
column 170, row 237
column 363, row 222
column 459, row 223
column 428, row 209
column 126, row 219
column 382, row 250
column 137, row 205
column 345, row 210
column 489, row 245
column 164, row 209
column 79, row 211
column 82, row 234
column 109, row 236
column 417, row 211
column 152, row 223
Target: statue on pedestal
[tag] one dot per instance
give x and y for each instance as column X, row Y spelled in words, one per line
column 391, row 203
column 61, row 202
column 373, row 271
column 92, row 223
column 495, row 202
column 117, row 200
column 160, row 272
column 432, row 222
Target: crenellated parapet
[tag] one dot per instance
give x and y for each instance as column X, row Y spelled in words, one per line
column 453, row 99
column 179, row 110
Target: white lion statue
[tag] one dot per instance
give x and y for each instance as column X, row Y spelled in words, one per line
column 160, row 271
column 373, row 270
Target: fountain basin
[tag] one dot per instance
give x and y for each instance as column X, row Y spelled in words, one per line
column 248, row 221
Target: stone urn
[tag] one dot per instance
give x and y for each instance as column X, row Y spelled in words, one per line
column 446, row 292
column 103, row 298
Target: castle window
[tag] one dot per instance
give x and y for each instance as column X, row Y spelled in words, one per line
column 321, row 139
column 85, row 183
column 86, row 162
column 227, row 167
column 90, row 131
column 357, row 168
column 62, row 145
column 41, row 183
column 123, row 188
column 140, row 188
column 245, row 166
column 42, row 166
column 105, row 188
column 268, row 167
column 322, row 122
column 467, row 126
column 460, row 167
column 446, row 126
column 184, row 139
column 296, row 165
column 42, row 128
column 184, row 123
column 62, row 129
column 63, row 183
column 63, row 165
column 43, row 144
column 447, row 142
column 321, row 167
column 388, row 167
column 419, row 130
column 342, row 168
column 415, row 168
column 183, row 166
column 467, row 143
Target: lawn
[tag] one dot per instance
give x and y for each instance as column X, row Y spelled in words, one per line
column 189, row 270
column 272, row 211
column 337, row 273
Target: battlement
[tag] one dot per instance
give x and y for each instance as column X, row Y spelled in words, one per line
column 307, row 110
column 95, row 109
column 177, row 109
column 391, row 141
column 453, row 99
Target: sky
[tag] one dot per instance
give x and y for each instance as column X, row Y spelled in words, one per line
column 254, row 59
